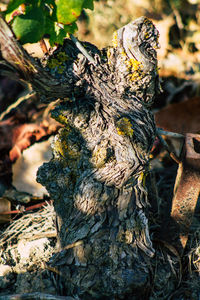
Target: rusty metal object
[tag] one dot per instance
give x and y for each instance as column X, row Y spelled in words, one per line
column 187, row 187
column 193, row 150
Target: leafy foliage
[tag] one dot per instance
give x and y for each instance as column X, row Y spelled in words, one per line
column 31, row 20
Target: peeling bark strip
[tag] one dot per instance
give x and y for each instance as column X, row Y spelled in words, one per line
column 101, row 156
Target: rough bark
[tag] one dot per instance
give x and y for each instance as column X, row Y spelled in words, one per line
column 101, row 156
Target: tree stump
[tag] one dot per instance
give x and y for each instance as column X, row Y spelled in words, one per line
column 100, row 156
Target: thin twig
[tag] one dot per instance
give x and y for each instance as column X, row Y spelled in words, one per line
column 82, row 49
column 169, row 133
column 43, row 46
column 31, row 236
column 171, row 153
column 15, row 104
column 78, row 243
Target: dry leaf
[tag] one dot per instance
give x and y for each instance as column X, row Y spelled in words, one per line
column 180, row 117
column 5, row 206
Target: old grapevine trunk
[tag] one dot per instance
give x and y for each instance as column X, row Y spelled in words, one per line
column 101, row 155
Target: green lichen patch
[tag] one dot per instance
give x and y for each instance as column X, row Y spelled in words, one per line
column 124, row 127
column 57, row 63
column 142, row 179
column 102, row 154
column 61, row 119
column 125, row 236
column 99, row 157
column 59, row 114
column 67, row 145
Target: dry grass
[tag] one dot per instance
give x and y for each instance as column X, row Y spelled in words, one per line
column 30, row 226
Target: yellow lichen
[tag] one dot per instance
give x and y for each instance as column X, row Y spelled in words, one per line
column 57, row 62
column 99, row 157
column 142, row 179
column 61, row 119
column 53, row 63
column 62, row 56
column 66, row 148
column 135, row 64
column 115, row 40
column 61, row 69
column 135, row 68
column 157, row 45
column 123, row 54
column 125, row 236
column 109, row 56
column 128, row 236
column 73, row 152
column 124, row 127
column 108, row 53
column 60, row 147
column 102, row 154
column 149, row 22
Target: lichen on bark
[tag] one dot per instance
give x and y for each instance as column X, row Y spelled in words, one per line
column 100, row 159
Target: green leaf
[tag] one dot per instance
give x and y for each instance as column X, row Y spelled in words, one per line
column 14, row 4
column 53, row 17
column 58, row 32
column 57, row 36
column 71, row 28
column 68, row 11
column 29, row 28
column 88, row 4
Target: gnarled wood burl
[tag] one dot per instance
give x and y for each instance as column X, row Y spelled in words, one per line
column 100, row 156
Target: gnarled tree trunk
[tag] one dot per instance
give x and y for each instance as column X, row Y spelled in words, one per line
column 100, row 157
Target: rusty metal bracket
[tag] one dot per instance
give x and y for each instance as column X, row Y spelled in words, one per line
column 187, row 187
